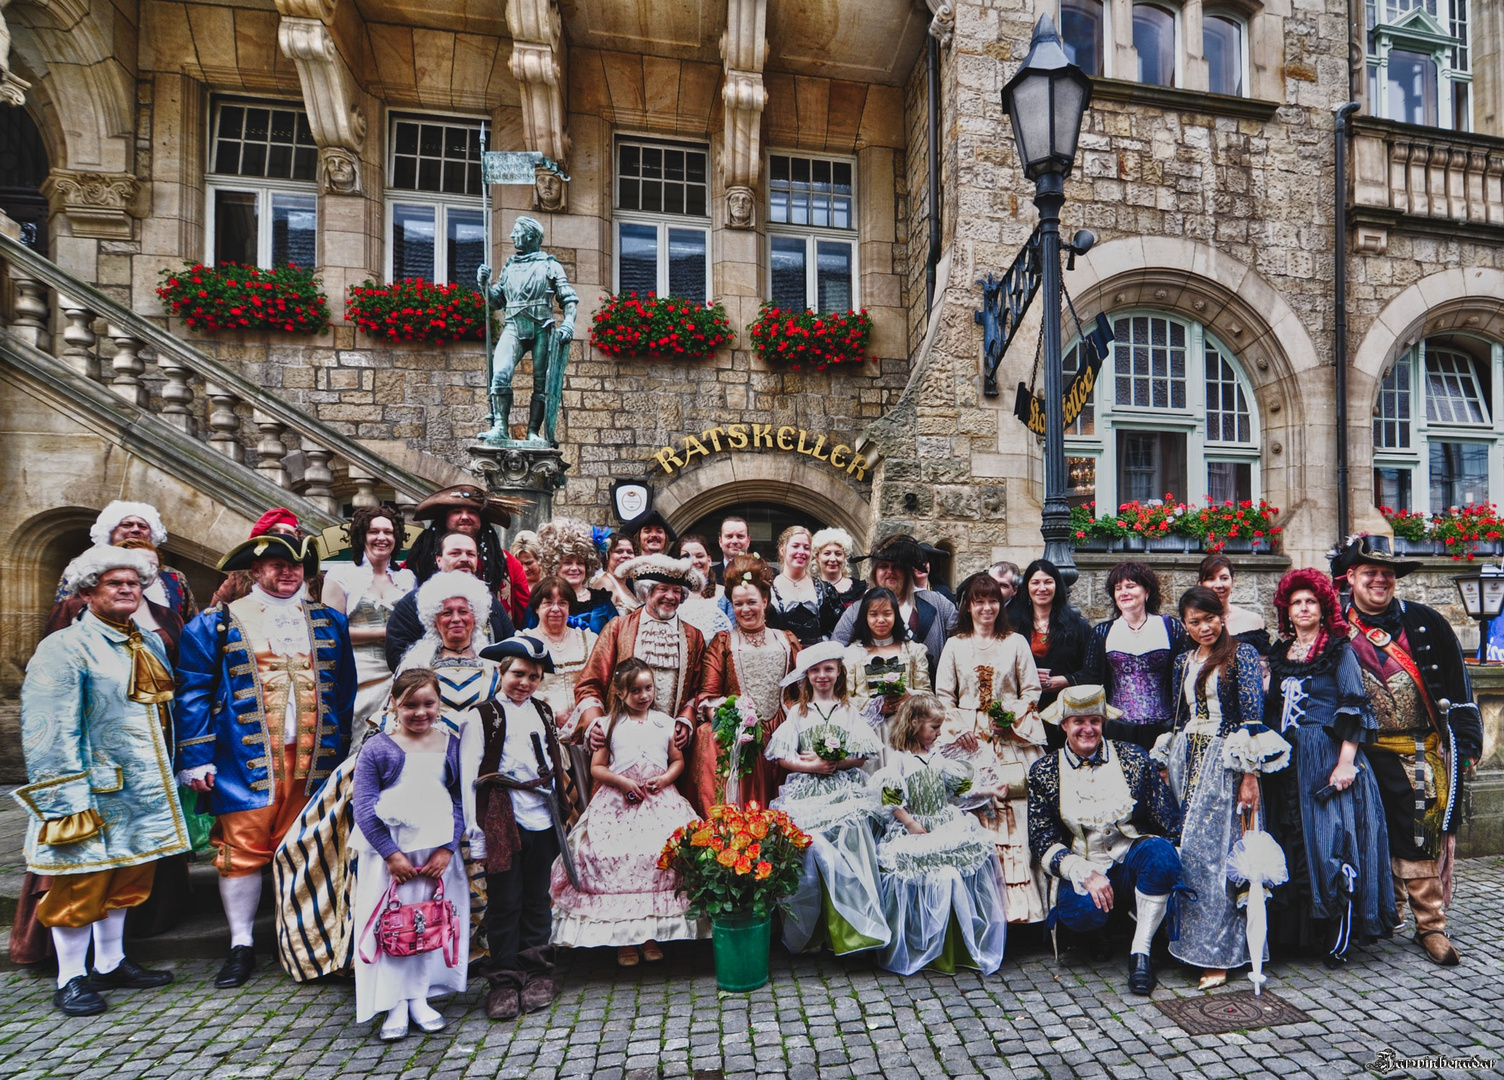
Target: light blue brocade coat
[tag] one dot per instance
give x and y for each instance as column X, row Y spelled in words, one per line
column 88, row 746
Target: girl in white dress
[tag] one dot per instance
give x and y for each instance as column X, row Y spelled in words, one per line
column 408, row 824
column 623, row 898
column 823, row 743
column 881, row 646
column 942, row 884
column 987, row 663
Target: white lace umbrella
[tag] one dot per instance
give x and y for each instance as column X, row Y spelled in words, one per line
column 1257, row 860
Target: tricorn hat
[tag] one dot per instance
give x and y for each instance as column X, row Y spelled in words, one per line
column 1372, row 550
column 303, row 550
column 652, row 517
column 1086, row 700
column 522, row 647
column 493, row 509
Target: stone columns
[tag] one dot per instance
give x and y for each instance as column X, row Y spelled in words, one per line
column 744, row 48
column 538, row 65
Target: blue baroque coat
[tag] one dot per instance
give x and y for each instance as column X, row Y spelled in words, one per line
column 221, row 715
column 88, row 747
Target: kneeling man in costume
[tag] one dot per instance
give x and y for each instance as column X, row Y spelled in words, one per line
column 1102, row 823
column 101, row 802
column 266, row 689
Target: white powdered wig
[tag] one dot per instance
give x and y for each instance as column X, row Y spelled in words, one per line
column 834, row 535
column 431, row 597
column 118, row 511
column 447, row 585
column 85, row 571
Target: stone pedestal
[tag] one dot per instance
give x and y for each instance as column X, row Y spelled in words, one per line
column 521, row 471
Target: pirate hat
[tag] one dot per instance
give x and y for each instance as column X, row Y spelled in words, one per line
column 661, row 568
column 651, row 517
column 303, row 550
column 902, row 550
column 493, row 509
column 1373, row 551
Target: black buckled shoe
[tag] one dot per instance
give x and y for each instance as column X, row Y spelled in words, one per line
column 238, row 968
column 129, row 975
column 78, row 998
column 1141, row 980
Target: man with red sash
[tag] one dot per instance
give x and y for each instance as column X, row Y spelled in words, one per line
column 1430, row 731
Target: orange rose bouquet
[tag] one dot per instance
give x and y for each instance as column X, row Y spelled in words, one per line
column 736, row 861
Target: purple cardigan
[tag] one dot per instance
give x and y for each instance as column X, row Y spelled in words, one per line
column 376, row 769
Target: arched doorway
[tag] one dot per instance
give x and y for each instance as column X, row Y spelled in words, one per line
column 765, row 522
column 23, row 167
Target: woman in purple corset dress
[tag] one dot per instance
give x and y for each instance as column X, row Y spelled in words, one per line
column 1133, row 654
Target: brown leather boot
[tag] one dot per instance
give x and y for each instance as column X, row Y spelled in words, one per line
column 1401, row 898
column 1430, row 916
column 539, row 993
column 502, row 1002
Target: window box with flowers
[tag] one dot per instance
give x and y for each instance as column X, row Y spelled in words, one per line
column 1412, row 532
column 812, row 339
column 229, row 296
column 415, row 309
column 1170, row 527
column 662, row 326
column 1466, row 532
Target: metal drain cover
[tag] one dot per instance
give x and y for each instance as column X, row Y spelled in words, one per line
column 1217, row 1014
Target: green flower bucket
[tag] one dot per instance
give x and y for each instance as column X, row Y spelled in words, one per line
column 742, row 945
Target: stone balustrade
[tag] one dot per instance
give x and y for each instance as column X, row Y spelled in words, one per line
column 148, row 368
column 1405, row 174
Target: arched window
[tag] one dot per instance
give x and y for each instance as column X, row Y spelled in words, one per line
column 1172, row 413
column 1436, row 426
column 1083, row 28
column 1224, row 44
column 1154, row 39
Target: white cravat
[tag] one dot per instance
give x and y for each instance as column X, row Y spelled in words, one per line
column 285, row 625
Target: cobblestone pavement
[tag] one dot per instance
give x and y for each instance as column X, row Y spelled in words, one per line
column 819, row 1017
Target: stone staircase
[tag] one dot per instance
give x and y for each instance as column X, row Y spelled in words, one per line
column 179, row 407
column 181, row 411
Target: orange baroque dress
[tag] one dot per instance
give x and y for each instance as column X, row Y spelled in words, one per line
column 739, row 666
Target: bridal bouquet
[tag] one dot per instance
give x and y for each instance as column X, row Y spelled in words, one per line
column 829, row 741
column 738, row 738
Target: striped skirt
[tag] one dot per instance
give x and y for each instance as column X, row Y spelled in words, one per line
column 314, row 875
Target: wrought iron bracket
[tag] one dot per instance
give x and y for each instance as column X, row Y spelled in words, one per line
column 1004, row 302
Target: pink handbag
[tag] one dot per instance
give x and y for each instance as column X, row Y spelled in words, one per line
column 406, row 929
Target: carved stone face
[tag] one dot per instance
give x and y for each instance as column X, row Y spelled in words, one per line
column 550, row 190
column 739, row 207
column 339, row 173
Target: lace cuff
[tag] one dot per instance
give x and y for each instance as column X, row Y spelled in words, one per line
column 1160, row 752
column 1253, row 748
column 198, row 772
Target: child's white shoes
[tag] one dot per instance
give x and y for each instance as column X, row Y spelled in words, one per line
column 396, row 1024
column 427, row 1017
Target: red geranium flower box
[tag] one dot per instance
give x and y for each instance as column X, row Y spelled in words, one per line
column 810, row 338
column 632, row 325
column 235, row 297
column 415, row 309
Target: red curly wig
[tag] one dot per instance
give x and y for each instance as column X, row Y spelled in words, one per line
column 1321, row 585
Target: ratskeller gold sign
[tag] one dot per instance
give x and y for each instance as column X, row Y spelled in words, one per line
column 758, row 437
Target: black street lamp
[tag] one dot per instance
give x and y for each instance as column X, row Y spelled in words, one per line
column 1046, row 100
column 1482, row 594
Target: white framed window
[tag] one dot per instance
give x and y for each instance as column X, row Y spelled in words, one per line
column 1086, row 31
column 1172, row 413
column 1224, row 43
column 434, row 216
column 1437, row 428
column 263, row 200
column 812, row 242
column 662, row 202
column 1419, row 70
